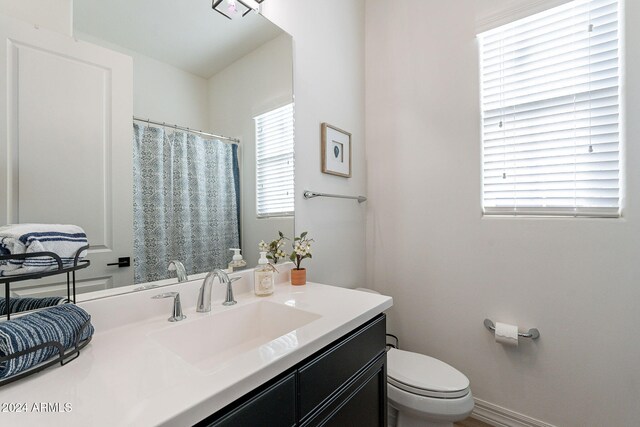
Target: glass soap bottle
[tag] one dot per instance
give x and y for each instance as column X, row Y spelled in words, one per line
column 237, row 263
column 264, row 280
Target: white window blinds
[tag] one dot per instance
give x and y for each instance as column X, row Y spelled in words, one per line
column 550, row 113
column 274, row 163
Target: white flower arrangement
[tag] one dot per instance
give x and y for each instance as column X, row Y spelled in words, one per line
column 301, row 249
column 274, row 250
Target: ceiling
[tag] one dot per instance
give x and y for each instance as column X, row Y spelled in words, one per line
column 187, row 34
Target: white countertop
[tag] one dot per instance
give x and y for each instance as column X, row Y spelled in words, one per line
column 125, row 378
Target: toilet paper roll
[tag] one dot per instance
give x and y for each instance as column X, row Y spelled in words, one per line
column 507, row 334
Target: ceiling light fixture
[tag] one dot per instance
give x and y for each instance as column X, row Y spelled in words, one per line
column 233, row 8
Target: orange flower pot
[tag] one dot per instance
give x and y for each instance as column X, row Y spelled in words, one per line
column 299, row 277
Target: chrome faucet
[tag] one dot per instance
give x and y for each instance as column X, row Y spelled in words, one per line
column 176, row 314
column 204, row 295
column 181, row 272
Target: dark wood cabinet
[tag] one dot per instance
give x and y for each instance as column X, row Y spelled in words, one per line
column 361, row 403
column 343, row 384
column 276, row 404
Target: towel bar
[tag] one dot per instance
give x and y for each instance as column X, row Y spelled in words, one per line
column 533, row 333
column 311, row 194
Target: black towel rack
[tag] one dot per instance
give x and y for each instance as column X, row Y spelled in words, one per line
column 64, row 355
column 78, row 264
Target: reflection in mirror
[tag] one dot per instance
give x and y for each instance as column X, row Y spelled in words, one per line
column 185, row 201
column 184, row 181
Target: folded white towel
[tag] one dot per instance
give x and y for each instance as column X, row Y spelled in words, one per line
column 63, row 240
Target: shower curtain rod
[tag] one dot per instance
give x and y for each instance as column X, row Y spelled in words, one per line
column 197, row 132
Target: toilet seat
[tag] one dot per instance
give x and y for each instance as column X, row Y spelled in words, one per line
column 425, row 376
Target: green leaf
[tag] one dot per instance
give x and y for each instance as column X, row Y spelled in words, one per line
column 303, row 235
column 309, row 256
column 293, row 257
column 296, row 239
column 280, row 234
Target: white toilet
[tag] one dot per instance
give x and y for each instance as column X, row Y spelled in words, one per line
column 423, row 391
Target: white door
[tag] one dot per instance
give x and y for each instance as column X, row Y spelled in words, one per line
column 65, row 146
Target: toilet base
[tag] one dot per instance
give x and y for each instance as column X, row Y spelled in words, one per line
column 412, row 410
column 404, row 419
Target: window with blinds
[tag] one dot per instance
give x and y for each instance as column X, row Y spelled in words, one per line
column 551, row 114
column 274, row 163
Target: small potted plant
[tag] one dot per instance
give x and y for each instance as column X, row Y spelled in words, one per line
column 301, row 250
column 274, row 249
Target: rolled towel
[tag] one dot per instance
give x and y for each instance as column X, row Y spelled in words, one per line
column 17, row 239
column 62, row 323
column 19, row 305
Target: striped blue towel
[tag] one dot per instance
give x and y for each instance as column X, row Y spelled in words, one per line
column 63, row 240
column 62, row 324
column 19, row 305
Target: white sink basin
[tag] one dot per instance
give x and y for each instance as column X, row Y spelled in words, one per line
column 209, row 341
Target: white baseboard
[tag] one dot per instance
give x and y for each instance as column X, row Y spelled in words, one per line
column 501, row 417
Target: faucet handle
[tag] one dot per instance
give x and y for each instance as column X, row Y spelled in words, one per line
column 230, row 300
column 177, row 306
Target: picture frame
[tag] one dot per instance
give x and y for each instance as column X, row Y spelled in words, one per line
column 335, row 151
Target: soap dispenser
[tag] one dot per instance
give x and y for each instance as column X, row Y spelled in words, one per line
column 264, row 280
column 237, row 263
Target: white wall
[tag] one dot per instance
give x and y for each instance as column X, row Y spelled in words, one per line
column 448, row 268
column 258, row 82
column 329, row 87
column 162, row 92
column 165, row 93
column 55, row 15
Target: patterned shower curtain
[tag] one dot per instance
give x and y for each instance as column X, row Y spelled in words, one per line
column 186, row 202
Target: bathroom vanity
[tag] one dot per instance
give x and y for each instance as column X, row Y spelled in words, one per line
column 307, row 355
column 343, row 384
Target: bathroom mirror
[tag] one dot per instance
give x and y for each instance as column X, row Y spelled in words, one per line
column 178, row 182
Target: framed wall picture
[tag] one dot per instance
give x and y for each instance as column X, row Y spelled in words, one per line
column 336, row 151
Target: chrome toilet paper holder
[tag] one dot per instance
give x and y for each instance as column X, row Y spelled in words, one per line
column 533, row 333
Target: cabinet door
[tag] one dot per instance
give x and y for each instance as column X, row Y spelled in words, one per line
column 273, row 407
column 66, row 155
column 362, row 403
column 327, row 373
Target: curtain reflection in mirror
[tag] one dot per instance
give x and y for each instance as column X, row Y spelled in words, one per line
column 186, row 202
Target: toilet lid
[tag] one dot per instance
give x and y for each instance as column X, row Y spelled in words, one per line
column 424, row 375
